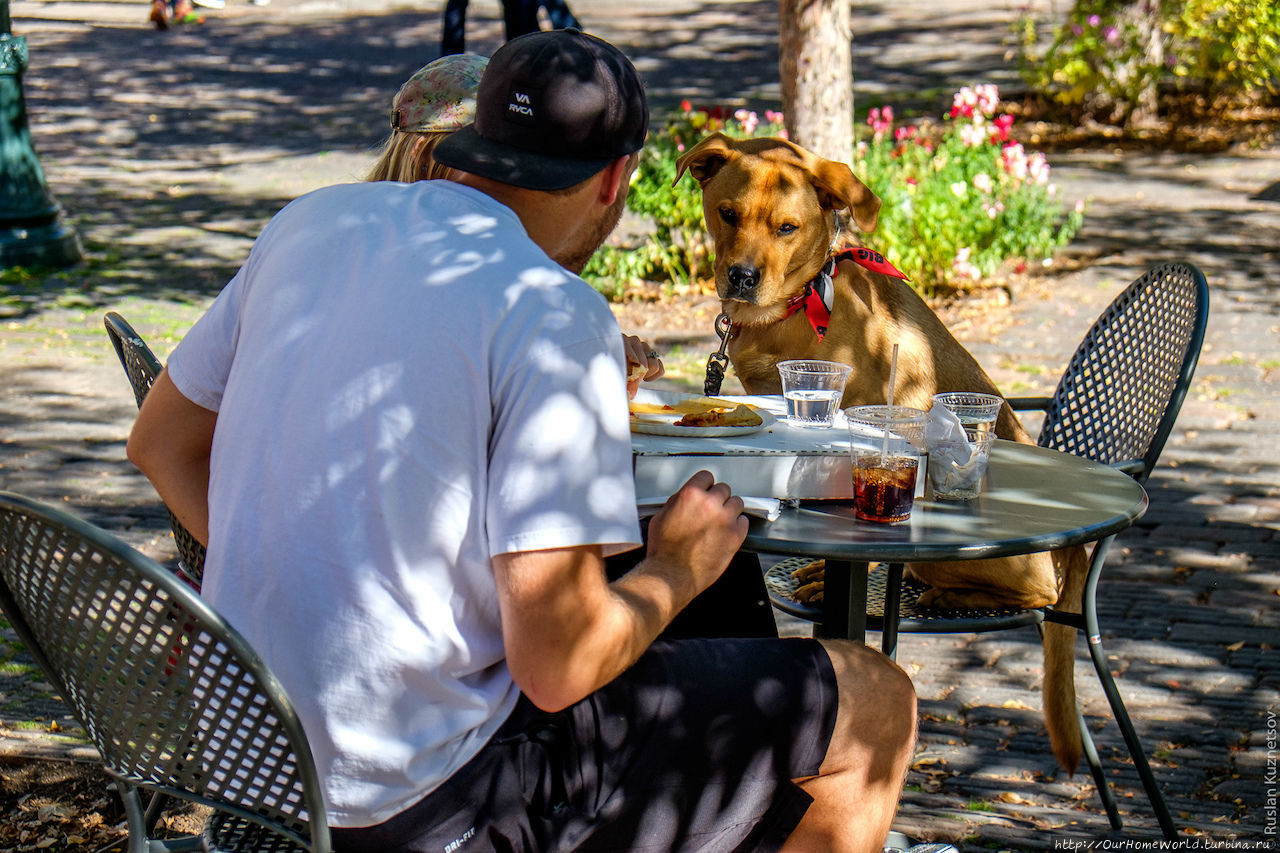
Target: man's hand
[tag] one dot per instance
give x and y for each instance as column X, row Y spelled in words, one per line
column 698, row 531
column 643, row 363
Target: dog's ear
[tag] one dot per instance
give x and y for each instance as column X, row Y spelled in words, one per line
column 705, row 159
column 839, row 188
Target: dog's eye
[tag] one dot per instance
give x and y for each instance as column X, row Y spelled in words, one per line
column 728, row 215
column 786, row 229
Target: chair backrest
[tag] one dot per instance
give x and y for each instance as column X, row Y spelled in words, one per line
column 139, row 362
column 172, row 696
column 1122, row 390
column 142, row 367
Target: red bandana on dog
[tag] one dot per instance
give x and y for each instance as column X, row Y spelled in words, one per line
column 818, row 295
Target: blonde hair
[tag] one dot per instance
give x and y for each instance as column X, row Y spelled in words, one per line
column 407, row 156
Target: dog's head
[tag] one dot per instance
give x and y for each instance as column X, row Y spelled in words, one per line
column 771, row 208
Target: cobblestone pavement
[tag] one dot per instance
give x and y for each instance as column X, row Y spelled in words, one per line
column 169, row 151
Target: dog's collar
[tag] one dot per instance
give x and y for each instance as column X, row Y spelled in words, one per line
column 818, row 295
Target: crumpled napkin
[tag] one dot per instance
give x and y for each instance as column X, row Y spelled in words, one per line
column 944, row 435
column 767, row 508
column 953, row 464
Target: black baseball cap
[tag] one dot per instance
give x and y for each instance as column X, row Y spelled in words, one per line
column 553, row 109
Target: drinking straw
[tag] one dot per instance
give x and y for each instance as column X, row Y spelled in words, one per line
column 888, row 415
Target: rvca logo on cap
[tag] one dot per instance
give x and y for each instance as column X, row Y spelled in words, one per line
column 520, row 107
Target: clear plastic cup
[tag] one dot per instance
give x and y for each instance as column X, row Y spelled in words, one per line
column 977, row 412
column 812, row 390
column 957, row 479
column 886, row 446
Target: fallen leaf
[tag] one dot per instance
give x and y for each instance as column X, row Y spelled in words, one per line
column 1011, row 797
column 57, row 811
column 1235, row 647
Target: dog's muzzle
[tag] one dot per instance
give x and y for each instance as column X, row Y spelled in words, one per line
column 743, row 281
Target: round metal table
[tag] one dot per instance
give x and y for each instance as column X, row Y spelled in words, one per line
column 1035, row 499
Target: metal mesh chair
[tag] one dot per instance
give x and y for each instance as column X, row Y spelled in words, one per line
column 142, row 367
column 173, row 698
column 1116, row 403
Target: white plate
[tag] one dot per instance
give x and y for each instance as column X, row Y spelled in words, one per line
column 655, row 424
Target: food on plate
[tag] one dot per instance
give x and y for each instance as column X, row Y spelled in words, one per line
column 697, row 412
column 811, row 577
column 686, row 406
column 723, row 416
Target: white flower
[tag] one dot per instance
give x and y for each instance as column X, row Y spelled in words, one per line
column 1038, row 168
column 961, row 266
column 988, row 98
column 958, row 188
column 973, row 135
column 982, row 182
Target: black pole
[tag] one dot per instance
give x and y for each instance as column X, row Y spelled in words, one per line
column 30, row 231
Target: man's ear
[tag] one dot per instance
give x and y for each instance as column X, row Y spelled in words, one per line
column 614, row 179
column 705, row 159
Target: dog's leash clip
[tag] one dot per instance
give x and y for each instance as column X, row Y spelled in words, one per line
column 717, row 362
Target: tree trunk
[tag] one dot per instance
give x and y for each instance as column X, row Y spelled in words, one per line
column 816, row 68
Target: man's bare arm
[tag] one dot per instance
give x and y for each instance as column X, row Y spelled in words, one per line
column 568, row 631
column 170, row 443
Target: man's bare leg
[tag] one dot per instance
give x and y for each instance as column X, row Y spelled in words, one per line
column 855, row 794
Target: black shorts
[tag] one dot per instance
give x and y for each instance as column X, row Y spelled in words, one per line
column 693, row 748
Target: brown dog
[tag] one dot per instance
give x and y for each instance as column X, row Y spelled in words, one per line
column 772, row 210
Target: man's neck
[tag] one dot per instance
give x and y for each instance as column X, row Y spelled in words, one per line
column 548, row 218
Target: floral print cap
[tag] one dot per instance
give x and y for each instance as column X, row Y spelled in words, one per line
column 440, row 96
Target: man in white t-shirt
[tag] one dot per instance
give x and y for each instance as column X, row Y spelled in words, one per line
column 402, row 431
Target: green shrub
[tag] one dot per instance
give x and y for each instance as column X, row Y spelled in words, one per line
column 1230, row 44
column 1110, row 57
column 960, row 198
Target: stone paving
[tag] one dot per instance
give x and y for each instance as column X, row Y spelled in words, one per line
column 169, row 151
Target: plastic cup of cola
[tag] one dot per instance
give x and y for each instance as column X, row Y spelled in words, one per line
column 812, row 390
column 955, row 479
column 886, row 446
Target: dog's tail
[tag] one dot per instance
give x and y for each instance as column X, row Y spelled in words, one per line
column 1060, row 713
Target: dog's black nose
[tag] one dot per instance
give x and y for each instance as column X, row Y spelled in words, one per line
column 742, row 282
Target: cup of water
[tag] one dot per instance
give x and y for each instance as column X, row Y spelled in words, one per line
column 813, row 390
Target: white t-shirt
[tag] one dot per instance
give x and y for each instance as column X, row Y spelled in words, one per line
column 406, row 385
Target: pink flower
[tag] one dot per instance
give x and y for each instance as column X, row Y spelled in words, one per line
column 983, row 183
column 1014, row 159
column 975, row 101
column 748, row 120
column 881, row 120
column 1111, row 34
column 1094, row 20
column 1003, row 123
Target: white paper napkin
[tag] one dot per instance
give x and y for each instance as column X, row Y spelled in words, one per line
column 766, row 508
